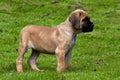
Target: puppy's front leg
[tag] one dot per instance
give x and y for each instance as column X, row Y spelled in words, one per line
column 60, row 55
column 67, row 59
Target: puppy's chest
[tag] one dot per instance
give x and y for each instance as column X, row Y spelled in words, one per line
column 70, row 44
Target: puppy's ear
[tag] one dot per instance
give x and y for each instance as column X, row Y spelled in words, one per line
column 74, row 21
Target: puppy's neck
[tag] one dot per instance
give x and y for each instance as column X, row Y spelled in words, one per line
column 66, row 27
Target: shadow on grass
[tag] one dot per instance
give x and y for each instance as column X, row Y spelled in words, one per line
column 8, row 68
column 48, row 68
column 11, row 68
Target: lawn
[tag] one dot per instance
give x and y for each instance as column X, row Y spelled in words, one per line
column 95, row 56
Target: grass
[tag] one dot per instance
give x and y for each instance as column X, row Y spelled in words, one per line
column 96, row 55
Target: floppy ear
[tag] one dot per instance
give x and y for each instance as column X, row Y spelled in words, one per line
column 74, row 21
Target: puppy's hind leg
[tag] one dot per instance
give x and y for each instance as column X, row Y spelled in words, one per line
column 32, row 60
column 21, row 50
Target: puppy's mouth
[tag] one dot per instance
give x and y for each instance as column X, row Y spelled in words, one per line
column 88, row 28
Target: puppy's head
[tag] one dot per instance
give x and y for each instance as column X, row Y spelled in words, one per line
column 80, row 21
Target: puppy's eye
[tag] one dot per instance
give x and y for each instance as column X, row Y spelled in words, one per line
column 86, row 19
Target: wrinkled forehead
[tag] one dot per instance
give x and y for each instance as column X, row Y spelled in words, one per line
column 81, row 12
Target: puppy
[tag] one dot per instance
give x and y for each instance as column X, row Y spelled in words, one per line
column 58, row 40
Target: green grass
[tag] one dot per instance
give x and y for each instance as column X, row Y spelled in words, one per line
column 96, row 55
